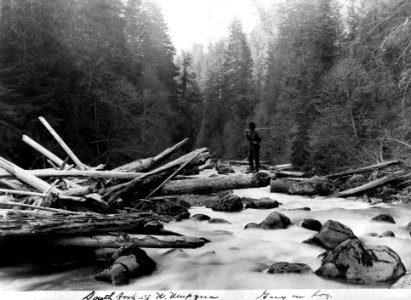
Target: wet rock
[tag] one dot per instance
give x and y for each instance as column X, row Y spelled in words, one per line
column 355, row 181
column 331, row 235
column 403, row 283
column 388, row 233
column 372, row 234
column 311, row 224
column 301, row 208
column 183, row 215
column 409, row 226
column 200, row 217
column 227, row 201
column 252, row 226
column 168, row 206
column 178, row 252
column 192, row 171
column 312, row 186
column 223, row 167
column 128, row 262
column 262, row 203
column 275, row 221
column 384, row 218
column 218, row 221
column 279, row 186
column 356, row 263
column 285, row 267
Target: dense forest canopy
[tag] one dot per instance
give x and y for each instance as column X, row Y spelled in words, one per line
column 328, row 81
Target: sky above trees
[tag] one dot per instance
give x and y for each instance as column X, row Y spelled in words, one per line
column 202, row 21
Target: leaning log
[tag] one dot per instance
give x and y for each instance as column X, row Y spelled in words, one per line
column 17, row 228
column 370, row 186
column 139, row 240
column 364, row 169
column 215, row 184
column 146, row 164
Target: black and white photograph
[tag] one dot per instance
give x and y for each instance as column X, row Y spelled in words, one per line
column 205, row 149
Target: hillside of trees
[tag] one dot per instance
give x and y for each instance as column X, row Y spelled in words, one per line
column 328, row 81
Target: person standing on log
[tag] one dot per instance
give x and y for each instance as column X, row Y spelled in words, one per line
column 254, row 140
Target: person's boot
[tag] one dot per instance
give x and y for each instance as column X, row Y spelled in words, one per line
column 250, row 170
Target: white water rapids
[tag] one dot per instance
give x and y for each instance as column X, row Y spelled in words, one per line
column 237, row 258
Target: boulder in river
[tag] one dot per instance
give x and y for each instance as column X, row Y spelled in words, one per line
column 403, row 283
column 384, row 218
column 285, row 267
column 356, row 263
column 262, row 203
column 169, row 207
column 279, row 186
column 311, row 224
column 128, row 262
column 223, row 167
column 331, row 235
column 228, row 202
column 275, row 220
column 387, row 233
column 200, row 217
column 312, row 186
column 218, row 221
column 252, row 226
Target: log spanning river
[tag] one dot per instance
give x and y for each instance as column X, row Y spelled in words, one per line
column 236, row 258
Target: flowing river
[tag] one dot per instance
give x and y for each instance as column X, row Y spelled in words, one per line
column 236, row 258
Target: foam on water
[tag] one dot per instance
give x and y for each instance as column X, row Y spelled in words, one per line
column 237, row 258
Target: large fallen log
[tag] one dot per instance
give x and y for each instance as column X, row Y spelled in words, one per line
column 144, row 241
column 147, row 164
column 27, row 178
column 45, row 173
column 215, row 184
column 364, row 169
column 141, row 186
column 372, row 185
column 281, row 174
column 18, row 228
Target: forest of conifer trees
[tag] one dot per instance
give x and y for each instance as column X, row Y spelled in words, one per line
column 328, row 80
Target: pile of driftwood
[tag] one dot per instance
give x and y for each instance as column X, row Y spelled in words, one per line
column 75, row 206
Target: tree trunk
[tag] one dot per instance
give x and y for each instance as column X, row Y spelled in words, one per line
column 44, row 173
column 15, row 228
column 215, row 184
column 364, row 169
column 144, row 241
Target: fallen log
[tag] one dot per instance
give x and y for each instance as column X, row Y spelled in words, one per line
column 364, row 169
column 49, row 209
column 45, row 173
column 26, row 177
column 146, row 164
column 281, row 174
column 55, row 226
column 370, row 186
column 245, row 162
column 141, row 186
column 139, row 240
column 215, row 184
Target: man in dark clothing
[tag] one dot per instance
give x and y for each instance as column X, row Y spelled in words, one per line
column 254, row 155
